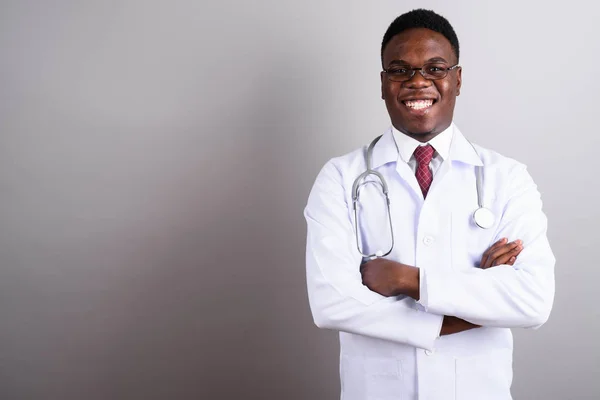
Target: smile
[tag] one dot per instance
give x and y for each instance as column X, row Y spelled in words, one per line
column 419, row 104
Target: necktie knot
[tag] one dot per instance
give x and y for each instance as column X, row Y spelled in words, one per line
column 424, row 154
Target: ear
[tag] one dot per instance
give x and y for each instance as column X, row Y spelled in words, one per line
column 458, row 80
column 382, row 82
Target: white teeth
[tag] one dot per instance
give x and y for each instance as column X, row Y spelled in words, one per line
column 418, row 104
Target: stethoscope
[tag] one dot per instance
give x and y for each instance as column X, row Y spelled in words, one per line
column 483, row 217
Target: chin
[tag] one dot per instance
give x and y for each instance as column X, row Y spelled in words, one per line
column 418, row 129
column 421, row 127
column 422, row 132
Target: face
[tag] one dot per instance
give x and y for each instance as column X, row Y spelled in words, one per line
column 419, row 107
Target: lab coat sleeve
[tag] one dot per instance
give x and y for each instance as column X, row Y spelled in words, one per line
column 337, row 297
column 503, row 296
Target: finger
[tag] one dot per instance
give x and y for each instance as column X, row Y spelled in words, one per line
column 503, row 253
column 485, row 262
column 517, row 250
column 512, row 260
column 504, row 249
column 505, row 258
column 495, row 246
column 497, row 253
column 499, row 243
column 485, row 258
column 364, row 265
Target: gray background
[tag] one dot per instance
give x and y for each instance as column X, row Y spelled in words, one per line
column 155, row 159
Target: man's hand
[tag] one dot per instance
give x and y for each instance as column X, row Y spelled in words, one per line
column 452, row 325
column 500, row 253
column 390, row 278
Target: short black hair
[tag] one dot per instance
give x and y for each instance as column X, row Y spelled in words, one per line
column 421, row 18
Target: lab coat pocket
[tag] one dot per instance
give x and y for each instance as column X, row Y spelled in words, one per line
column 469, row 241
column 372, row 378
column 485, row 376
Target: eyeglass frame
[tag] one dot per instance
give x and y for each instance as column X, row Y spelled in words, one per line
column 420, row 69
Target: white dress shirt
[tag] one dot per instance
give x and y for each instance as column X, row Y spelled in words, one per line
column 407, row 146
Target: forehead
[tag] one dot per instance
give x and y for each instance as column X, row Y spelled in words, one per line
column 418, row 45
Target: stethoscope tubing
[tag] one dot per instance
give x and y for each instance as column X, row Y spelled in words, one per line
column 483, row 217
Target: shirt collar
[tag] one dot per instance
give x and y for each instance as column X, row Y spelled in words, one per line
column 452, row 146
column 407, row 145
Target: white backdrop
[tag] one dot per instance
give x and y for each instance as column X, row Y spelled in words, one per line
column 156, row 156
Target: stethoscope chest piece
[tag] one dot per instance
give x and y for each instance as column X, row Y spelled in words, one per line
column 484, row 218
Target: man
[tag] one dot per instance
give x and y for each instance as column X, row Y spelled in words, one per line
column 432, row 318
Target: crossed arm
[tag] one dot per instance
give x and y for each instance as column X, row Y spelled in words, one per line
column 512, row 294
column 390, row 278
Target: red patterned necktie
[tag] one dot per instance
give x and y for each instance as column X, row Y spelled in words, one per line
column 423, row 155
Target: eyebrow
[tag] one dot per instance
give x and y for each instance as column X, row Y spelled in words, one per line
column 402, row 62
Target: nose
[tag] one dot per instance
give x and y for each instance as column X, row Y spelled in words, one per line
column 417, row 81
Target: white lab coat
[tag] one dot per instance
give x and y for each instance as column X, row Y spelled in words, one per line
column 390, row 348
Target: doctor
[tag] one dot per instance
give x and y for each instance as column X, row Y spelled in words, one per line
column 432, row 319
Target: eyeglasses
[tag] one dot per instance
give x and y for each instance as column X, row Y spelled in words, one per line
column 431, row 71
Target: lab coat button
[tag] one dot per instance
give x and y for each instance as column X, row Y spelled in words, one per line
column 428, row 240
column 429, row 352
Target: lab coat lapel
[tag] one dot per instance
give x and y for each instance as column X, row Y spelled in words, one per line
column 460, row 151
column 440, row 174
column 409, row 177
column 386, row 151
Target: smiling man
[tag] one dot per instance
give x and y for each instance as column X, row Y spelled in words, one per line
column 423, row 249
column 420, row 107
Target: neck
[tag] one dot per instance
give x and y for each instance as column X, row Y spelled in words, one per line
column 423, row 137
